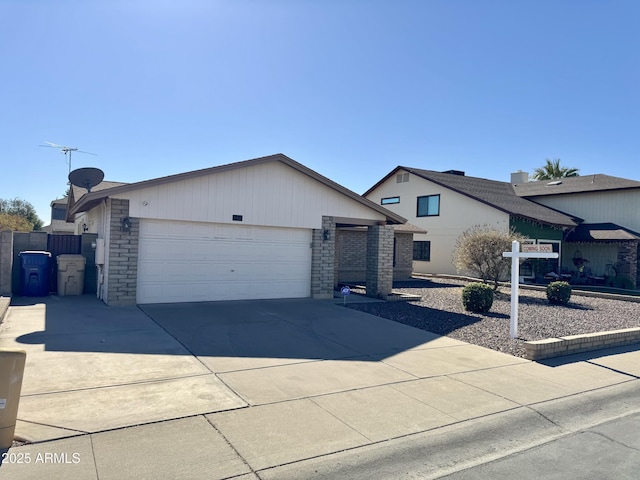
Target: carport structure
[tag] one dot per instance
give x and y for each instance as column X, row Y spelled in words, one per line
column 258, row 229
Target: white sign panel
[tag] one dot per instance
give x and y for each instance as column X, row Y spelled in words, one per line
column 541, row 248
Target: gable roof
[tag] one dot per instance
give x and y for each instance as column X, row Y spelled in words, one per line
column 80, row 191
column 76, row 192
column 91, row 199
column 588, row 183
column 499, row 195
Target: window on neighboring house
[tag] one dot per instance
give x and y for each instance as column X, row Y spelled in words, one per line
column 58, row 213
column 389, row 200
column 428, row 206
column 422, row 250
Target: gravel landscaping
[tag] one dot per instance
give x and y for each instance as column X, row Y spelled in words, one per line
column 440, row 311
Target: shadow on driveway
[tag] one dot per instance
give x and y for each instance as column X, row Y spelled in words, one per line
column 291, row 328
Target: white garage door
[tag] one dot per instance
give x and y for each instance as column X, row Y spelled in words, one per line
column 193, row 262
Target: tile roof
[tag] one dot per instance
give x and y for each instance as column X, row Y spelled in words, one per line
column 588, row 183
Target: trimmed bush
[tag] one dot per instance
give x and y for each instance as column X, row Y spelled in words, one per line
column 477, row 297
column 559, row 293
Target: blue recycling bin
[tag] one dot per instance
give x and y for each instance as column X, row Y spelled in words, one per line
column 35, row 269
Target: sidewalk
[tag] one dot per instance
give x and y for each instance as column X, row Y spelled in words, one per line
column 356, row 399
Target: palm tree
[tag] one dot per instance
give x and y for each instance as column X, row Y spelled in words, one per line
column 553, row 170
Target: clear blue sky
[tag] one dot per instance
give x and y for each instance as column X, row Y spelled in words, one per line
column 349, row 88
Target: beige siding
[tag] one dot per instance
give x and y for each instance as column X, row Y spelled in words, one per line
column 620, row 207
column 457, row 213
column 270, row 194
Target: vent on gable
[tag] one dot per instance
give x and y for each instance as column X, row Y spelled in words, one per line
column 402, row 178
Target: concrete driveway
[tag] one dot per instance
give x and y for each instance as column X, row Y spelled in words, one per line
column 252, row 386
column 93, row 368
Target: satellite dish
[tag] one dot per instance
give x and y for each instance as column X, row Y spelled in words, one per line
column 86, row 177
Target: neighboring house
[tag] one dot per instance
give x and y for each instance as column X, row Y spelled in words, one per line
column 262, row 228
column 445, row 204
column 606, row 241
column 59, row 224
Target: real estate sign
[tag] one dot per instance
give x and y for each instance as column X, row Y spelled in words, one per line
column 517, row 252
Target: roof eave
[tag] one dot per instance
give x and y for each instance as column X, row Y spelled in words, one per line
column 91, row 199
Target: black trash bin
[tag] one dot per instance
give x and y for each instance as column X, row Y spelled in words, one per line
column 35, row 270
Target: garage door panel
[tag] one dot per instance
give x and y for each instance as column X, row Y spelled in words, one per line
column 190, row 261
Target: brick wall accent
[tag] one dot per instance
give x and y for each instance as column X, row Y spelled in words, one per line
column 379, row 260
column 123, row 256
column 404, row 256
column 351, row 256
column 6, row 262
column 323, row 260
column 628, row 260
column 557, row 347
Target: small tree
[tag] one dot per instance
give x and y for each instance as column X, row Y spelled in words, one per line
column 21, row 208
column 14, row 223
column 479, row 250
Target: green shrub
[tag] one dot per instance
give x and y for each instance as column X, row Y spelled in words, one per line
column 477, row 297
column 559, row 293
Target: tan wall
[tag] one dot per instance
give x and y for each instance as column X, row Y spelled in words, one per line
column 620, row 207
column 270, row 194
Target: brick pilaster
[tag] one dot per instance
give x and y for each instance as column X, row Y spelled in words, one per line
column 379, row 260
column 323, row 259
column 123, row 256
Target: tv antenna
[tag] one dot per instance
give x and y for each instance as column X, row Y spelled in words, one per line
column 66, row 151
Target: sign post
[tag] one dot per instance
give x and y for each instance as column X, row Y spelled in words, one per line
column 528, row 251
column 345, row 291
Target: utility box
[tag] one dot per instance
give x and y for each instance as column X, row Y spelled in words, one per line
column 70, row 274
column 35, row 273
column 11, row 372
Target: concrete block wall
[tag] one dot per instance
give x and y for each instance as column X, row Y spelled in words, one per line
column 123, row 256
column 22, row 242
column 379, row 260
column 323, row 259
column 6, row 262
